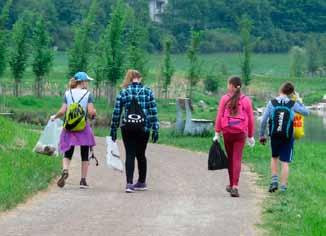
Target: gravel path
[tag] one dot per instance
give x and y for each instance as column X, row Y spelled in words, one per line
column 184, row 199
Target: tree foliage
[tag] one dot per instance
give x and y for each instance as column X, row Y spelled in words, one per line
column 42, row 54
column 194, row 70
column 137, row 37
column 245, row 26
column 297, row 62
column 312, row 53
column 82, row 48
column 19, row 52
column 167, row 69
column 4, row 16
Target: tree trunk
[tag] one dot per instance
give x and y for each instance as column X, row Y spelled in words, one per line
column 16, row 88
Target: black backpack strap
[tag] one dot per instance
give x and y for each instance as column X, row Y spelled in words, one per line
column 290, row 104
column 83, row 97
column 275, row 102
column 72, row 97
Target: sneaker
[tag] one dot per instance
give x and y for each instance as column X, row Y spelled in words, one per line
column 228, row 188
column 83, row 184
column 130, row 188
column 273, row 187
column 62, row 181
column 140, row 186
column 283, row 188
column 234, row 192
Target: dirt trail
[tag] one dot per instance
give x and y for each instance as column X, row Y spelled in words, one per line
column 184, row 199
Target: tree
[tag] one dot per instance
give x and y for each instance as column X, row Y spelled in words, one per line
column 19, row 53
column 312, row 54
column 195, row 65
column 167, row 67
column 322, row 49
column 138, row 36
column 245, row 25
column 297, row 62
column 42, row 54
column 82, row 48
column 212, row 81
column 3, row 35
column 114, row 50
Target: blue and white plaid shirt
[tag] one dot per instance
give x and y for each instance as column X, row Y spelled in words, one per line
column 145, row 99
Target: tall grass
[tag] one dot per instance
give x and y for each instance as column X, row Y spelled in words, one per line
column 22, row 172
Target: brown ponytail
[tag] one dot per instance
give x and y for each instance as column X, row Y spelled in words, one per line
column 233, row 102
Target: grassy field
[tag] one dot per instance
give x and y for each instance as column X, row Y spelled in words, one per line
column 299, row 211
column 22, row 172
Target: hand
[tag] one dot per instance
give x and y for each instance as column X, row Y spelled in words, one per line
column 53, row 117
column 113, row 136
column 251, row 142
column 217, row 137
column 263, row 140
column 154, row 136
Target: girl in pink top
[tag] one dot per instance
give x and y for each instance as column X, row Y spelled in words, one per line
column 235, row 121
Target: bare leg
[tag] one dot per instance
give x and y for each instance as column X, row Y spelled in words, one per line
column 66, row 163
column 285, row 173
column 274, row 166
column 84, row 169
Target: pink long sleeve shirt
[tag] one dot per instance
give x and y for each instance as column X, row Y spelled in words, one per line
column 246, row 103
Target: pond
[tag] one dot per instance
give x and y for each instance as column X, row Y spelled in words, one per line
column 315, row 127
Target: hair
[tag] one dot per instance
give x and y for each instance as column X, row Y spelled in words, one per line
column 233, row 102
column 73, row 83
column 287, row 88
column 130, row 75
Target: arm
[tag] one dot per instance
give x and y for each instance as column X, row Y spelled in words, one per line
column 91, row 110
column 115, row 122
column 61, row 112
column 251, row 120
column 90, row 107
column 219, row 115
column 152, row 110
column 266, row 115
column 300, row 108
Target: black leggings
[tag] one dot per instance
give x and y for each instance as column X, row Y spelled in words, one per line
column 84, row 153
column 135, row 145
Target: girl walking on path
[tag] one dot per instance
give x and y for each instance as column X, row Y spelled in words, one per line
column 280, row 114
column 140, row 116
column 76, row 94
column 235, row 121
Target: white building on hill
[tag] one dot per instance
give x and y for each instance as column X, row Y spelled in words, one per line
column 156, row 8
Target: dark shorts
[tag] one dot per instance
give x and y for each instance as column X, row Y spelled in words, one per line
column 282, row 149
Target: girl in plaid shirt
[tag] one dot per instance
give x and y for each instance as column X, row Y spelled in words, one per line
column 135, row 142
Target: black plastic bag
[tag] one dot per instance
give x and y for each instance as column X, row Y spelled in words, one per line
column 217, row 159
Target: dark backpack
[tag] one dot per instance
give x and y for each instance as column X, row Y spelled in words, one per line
column 134, row 119
column 281, row 120
column 217, row 159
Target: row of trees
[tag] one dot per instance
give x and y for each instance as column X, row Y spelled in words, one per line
column 25, row 42
column 277, row 25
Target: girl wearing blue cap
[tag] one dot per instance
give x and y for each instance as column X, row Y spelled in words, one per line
column 84, row 137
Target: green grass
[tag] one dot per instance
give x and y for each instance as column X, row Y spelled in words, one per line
column 300, row 211
column 22, row 172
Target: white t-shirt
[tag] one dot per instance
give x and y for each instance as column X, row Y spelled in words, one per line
column 77, row 94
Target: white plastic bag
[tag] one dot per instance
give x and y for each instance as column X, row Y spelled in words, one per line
column 113, row 155
column 48, row 143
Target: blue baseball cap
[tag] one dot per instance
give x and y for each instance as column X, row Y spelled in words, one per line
column 82, row 76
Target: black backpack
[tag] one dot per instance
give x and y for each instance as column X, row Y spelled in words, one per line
column 217, row 159
column 281, row 120
column 134, row 118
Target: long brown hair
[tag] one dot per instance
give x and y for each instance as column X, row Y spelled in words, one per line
column 233, row 102
column 130, row 75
